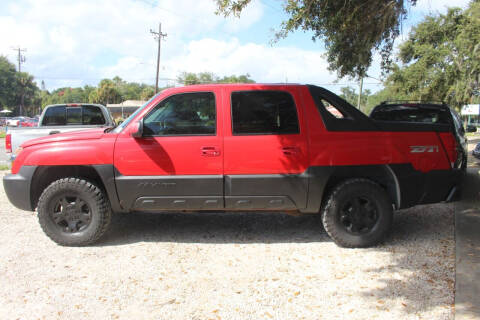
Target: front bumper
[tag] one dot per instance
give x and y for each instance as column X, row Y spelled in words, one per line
column 17, row 187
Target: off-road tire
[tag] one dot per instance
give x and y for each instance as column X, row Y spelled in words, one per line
column 339, row 196
column 93, row 196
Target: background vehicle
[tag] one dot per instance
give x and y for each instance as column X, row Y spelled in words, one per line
column 476, row 151
column 238, row 147
column 28, row 122
column 14, row 122
column 57, row 119
column 471, row 128
column 426, row 112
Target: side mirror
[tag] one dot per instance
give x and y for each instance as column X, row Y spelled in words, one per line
column 139, row 132
column 471, row 128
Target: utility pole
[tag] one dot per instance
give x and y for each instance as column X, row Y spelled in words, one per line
column 21, row 59
column 360, row 93
column 158, row 36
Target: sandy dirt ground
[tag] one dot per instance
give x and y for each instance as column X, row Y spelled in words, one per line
column 227, row 266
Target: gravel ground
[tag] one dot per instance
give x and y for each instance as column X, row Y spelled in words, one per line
column 227, row 266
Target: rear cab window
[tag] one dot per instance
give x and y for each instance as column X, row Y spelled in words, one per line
column 73, row 115
column 263, row 112
column 411, row 113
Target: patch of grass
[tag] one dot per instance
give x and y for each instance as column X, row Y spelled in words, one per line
column 4, row 167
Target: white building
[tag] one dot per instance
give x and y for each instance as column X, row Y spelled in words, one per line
column 471, row 113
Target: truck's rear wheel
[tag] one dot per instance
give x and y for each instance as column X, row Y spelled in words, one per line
column 73, row 212
column 358, row 213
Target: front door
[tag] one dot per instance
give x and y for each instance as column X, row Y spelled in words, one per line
column 178, row 162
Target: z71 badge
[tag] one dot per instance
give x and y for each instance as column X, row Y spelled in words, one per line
column 421, row 149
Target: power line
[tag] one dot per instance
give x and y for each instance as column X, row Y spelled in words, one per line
column 271, row 6
column 153, row 5
column 76, row 78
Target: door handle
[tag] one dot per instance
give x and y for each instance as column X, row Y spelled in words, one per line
column 210, row 151
column 54, row 132
column 290, row 151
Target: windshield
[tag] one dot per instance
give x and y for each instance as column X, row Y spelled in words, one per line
column 129, row 119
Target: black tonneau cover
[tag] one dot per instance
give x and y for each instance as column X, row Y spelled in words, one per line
column 411, row 126
column 355, row 120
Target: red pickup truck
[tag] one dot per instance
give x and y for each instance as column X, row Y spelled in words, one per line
column 285, row 148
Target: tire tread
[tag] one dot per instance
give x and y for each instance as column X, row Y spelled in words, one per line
column 329, row 225
column 102, row 205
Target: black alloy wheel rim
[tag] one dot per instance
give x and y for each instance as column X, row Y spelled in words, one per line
column 71, row 214
column 358, row 215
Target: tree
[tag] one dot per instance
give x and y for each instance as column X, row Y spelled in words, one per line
column 147, row 93
column 8, row 83
column 349, row 94
column 189, row 78
column 107, row 92
column 93, row 97
column 25, row 93
column 351, row 29
column 441, row 59
column 236, row 79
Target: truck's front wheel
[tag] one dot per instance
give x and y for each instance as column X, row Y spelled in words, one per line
column 73, row 212
column 358, row 213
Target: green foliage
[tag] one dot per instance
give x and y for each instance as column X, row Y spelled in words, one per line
column 351, row 29
column 113, row 90
column 108, row 92
column 190, row 78
column 147, row 93
column 441, row 59
column 16, row 88
column 349, row 94
column 26, row 91
column 244, row 78
column 7, row 83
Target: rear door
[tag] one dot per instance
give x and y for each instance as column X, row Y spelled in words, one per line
column 265, row 149
column 178, row 163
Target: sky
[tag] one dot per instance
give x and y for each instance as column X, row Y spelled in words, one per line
column 75, row 43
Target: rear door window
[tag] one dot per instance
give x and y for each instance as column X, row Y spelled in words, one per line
column 264, row 112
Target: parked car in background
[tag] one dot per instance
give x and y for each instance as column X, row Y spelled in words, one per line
column 14, row 122
column 59, row 118
column 418, row 112
column 471, row 128
column 28, row 122
column 476, row 151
